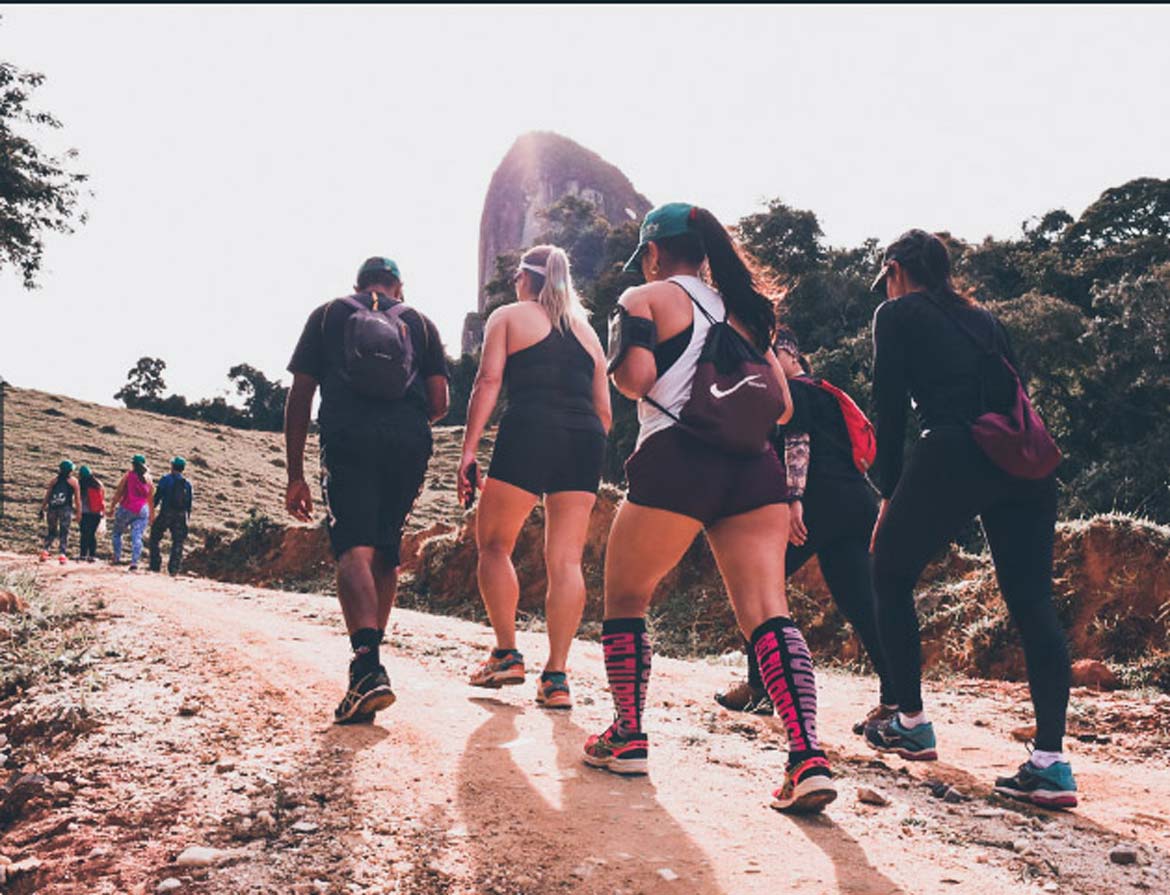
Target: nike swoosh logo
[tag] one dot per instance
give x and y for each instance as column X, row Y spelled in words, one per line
column 747, row 380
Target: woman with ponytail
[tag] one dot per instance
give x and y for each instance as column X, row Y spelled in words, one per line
column 550, row 444
column 685, row 478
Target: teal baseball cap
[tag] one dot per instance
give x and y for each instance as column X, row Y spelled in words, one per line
column 671, row 219
column 379, row 264
column 178, row 463
column 66, row 466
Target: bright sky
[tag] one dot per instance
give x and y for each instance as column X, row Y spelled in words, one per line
column 245, row 160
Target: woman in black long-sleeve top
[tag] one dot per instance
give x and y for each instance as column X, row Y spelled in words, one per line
column 922, row 353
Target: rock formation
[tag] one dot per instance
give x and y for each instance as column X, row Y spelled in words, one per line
column 538, row 170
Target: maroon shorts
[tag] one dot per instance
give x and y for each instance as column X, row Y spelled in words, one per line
column 673, row 470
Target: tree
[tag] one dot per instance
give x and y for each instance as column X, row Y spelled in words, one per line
column 39, row 193
column 787, row 240
column 144, row 383
column 263, row 399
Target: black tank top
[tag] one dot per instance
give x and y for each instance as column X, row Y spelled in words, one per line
column 551, row 383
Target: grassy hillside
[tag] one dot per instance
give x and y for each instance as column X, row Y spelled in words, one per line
column 232, row 470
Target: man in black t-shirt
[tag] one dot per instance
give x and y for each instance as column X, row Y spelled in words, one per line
column 374, row 455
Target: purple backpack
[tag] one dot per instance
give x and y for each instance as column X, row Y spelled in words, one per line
column 1016, row 440
column 377, row 349
column 735, row 398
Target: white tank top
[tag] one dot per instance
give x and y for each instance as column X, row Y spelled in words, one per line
column 673, row 388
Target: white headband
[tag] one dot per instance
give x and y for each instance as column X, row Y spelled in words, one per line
column 543, row 271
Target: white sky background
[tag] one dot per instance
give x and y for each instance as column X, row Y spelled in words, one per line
column 244, row 161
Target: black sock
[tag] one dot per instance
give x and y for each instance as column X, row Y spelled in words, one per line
column 365, row 651
column 786, row 667
column 627, row 666
column 504, row 653
column 381, row 635
column 547, row 675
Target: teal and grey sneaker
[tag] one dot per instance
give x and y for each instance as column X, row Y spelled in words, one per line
column 912, row 744
column 1050, row 787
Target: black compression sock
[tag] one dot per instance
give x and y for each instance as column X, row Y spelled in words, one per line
column 504, row 653
column 365, row 651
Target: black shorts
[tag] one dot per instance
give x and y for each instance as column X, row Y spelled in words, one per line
column 370, row 481
column 545, row 459
column 673, row 470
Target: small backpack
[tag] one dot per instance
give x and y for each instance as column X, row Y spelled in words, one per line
column 61, row 494
column 377, row 350
column 735, row 399
column 862, row 434
column 180, row 494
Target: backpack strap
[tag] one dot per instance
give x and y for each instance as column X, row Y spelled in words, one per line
column 702, row 310
column 991, row 350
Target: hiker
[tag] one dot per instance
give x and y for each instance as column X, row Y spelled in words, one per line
column 550, row 444
column 93, row 511
column 709, row 391
column 934, row 345
column 832, row 511
column 62, row 502
column 173, row 497
column 383, row 379
column 133, row 508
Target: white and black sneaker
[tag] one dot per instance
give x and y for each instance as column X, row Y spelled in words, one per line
column 367, row 695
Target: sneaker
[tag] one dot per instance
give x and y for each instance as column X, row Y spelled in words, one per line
column 505, row 671
column 552, row 691
column 1050, row 787
column 808, row 788
column 912, row 744
column 743, row 697
column 617, row 754
column 878, row 713
column 62, row 559
column 44, row 555
column 133, row 567
column 368, row 694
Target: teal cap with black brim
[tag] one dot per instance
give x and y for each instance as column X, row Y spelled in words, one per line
column 671, row 219
column 380, row 264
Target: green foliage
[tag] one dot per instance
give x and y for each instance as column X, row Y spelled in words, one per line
column 39, row 194
column 144, row 382
column 263, row 399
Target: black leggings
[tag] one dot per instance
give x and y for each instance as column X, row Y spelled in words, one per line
column 947, row 482
column 89, row 527
column 839, row 515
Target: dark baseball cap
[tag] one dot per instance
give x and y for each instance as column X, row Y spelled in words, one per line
column 671, row 219
column 911, row 246
column 379, row 264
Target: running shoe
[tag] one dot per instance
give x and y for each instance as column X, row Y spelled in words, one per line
column 743, row 697
column 133, row 567
column 808, row 788
column 878, row 713
column 44, row 555
column 1050, row 787
column 912, row 744
column 502, row 671
column 368, row 694
column 62, row 559
column 617, row 754
column 552, row 691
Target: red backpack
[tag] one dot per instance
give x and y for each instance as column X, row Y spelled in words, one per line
column 862, row 435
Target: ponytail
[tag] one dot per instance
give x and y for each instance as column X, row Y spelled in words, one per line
column 930, row 269
column 733, row 275
column 554, row 287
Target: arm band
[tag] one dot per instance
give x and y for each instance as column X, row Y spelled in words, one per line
column 625, row 332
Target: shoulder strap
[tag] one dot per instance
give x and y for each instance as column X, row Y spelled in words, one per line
column 702, row 310
column 967, row 331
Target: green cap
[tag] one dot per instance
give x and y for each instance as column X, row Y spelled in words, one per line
column 372, row 264
column 84, row 472
column 66, row 466
column 178, row 463
column 138, row 460
column 671, row 219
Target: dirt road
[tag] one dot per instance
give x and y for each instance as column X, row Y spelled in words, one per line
column 210, row 706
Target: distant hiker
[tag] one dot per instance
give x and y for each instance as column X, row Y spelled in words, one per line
column 833, row 509
column 709, row 393
column 93, row 510
column 550, row 444
column 936, row 346
column 383, row 379
column 133, row 508
column 173, row 498
column 62, row 502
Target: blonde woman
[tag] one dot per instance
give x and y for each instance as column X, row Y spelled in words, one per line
column 550, row 444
